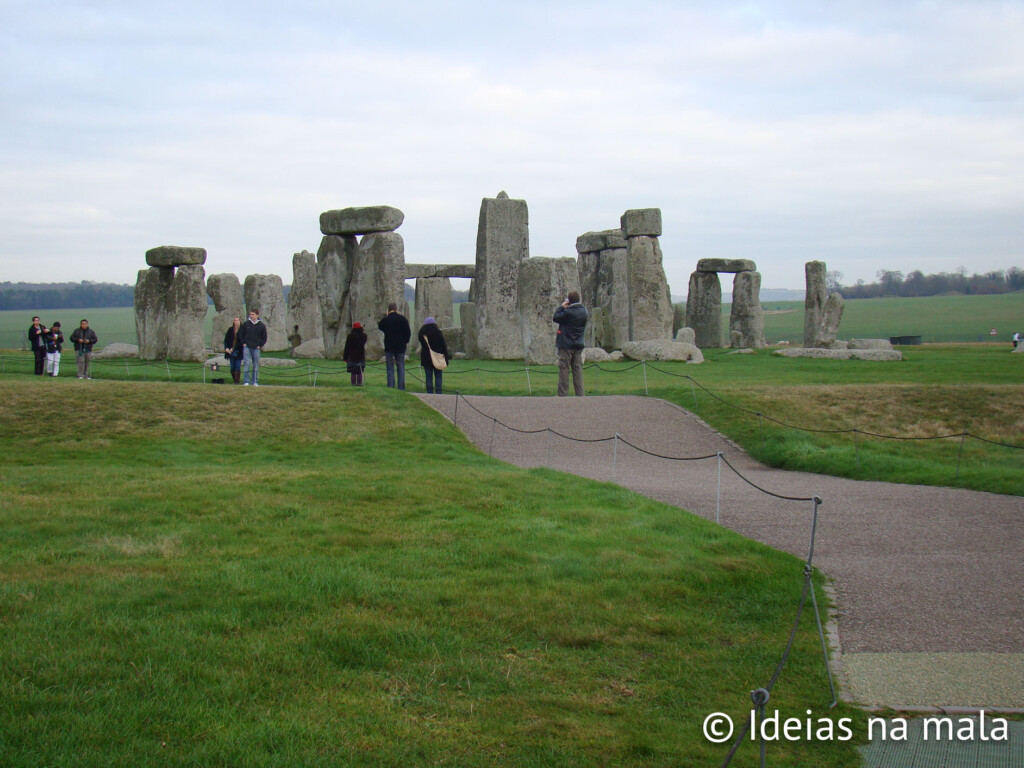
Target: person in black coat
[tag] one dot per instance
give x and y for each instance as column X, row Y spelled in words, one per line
column 571, row 317
column 354, row 354
column 233, row 349
column 37, row 343
column 254, row 337
column 431, row 339
column 397, row 333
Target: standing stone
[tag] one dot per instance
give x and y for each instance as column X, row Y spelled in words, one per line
column 543, row 286
column 704, row 309
column 186, row 311
column 611, row 330
column 502, row 244
column 303, row 304
column 433, row 299
column 226, row 293
column 822, row 312
column 650, row 303
column 378, row 278
column 334, row 262
column 265, row 293
column 467, row 317
column 151, row 289
column 746, row 321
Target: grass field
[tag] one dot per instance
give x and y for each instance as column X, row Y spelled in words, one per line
column 290, row 576
column 935, row 318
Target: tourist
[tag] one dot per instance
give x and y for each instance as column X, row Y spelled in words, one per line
column 1016, row 339
column 397, row 333
column 54, row 341
column 571, row 317
column 354, row 354
column 233, row 349
column 295, row 340
column 254, row 338
column 432, row 341
column 83, row 337
column 37, row 343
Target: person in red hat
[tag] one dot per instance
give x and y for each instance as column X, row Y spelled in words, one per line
column 355, row 353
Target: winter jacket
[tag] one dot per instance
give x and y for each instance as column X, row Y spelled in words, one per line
column 83, row 339
column 431, row 333
column 571, row 322
column 355, row 347
column 233, row 341
column 37, row 340
column 54, row 340
column 397, row 332
column 253, row 334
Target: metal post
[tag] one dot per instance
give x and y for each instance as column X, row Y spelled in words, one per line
column 529, row 387
column 456, row 421
column 615, row 458
column 643, row 363
column 693, row 389
column 960, row 454
column 494, row 426
column 856, row 448
column 315, row 374
column 760, row 426
column 127, row 373
column 204, row 373
column 479, row 380
column 168, row 366
column 309, row 372
column 718, row 499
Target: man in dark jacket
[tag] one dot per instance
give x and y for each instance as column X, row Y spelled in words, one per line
column 37, row 343
column 254, row 337
column 572, row 319
column 397, row 333
column 83, row 338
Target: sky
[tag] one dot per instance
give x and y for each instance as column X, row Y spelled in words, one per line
column 875, row 134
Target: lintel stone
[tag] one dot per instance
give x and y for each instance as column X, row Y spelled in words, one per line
column 593, row 242
column 642, row 222
column 726, row 265
column 416, row 271
column 175, row 256
column 361, row 221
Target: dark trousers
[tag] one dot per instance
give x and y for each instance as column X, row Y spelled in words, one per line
column 40, row 353
column 433, row 377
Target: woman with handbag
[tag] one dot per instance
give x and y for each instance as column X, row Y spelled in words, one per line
column 355, row 354
column 433, row 354
column 233, row 349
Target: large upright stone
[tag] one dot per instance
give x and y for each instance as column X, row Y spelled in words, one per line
column 433, row 299
column 641, row 222
column 650, row 303
column 746, row 321
column 334, row 262
column 378, row 278
column 822, row 312
column 226, row 292
column 151, row 289
column 543, row 286
column 611, row 329
column 265, row 293
column 467, row 320
column 186, row 311
column 303, row 304
column 361, row 221
column 704, row 309
column 175, row 256
column 503, row 242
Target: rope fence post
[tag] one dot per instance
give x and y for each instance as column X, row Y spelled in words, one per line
column 529, row 387
column 127, row 373
column 644, row 364
column 856, row 448
column 693, row 390
column 168, row 366
column 551, row 436
column 309, row 373
column 479, row 378
column 494, row 426
column 760, row 426
column 456, row 420
column 960, row 454
column 615, row 457
column 316, row 373
column 718, row 498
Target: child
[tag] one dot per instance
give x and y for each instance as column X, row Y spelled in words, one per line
column 54, row 340
column 355, row 353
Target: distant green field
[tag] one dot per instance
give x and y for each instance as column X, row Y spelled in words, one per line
column 934, row 318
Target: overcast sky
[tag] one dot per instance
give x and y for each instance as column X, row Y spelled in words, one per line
column 873, row 134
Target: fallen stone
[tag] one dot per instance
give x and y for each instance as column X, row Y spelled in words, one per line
column 726, row 265
column 744, row 351
column 878, row 355
column 617, row 355
column 869, row 344
column 361, row 221
column 686, row 336
column 662, row 349
column 112, row 351
column 641, row 222
column 596, row 355
column 310, row 350
column 175, row 256
column 592, row 242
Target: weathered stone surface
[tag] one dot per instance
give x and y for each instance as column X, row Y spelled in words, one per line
column 650, row 303
column 726, row 265
column 595, row 320
column 186, row 311
column 455, row 338
column 592, row 242
column 596, row 355
column 467, row 316
column 361, row 221
column 662, row 349
column 704, row 309
column 175, row 256
column 334, row 262
column 869, row 344
column 433, row 299
column 617, row 355
column 687, row 336
column 743, row 351
column 503, row 243
column 114, row 351
column 151, row 289
column 612, row 298
column 378, row 278
column 303, row 303
column 877, row 355
column 310, row 350
column 543, row 285
column 226, row 292
column 641, row 222
column 417, row 271
column 265, row 293
column 822, row 312
column 587, row 267
column 746, row 320
column 678, row 318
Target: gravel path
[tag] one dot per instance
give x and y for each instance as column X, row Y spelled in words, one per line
column 928, row 576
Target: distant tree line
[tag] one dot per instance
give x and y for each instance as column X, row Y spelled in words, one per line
column 916, row 283
column 34, row 296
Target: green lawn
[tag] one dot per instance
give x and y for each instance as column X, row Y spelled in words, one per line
column 196, row 575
